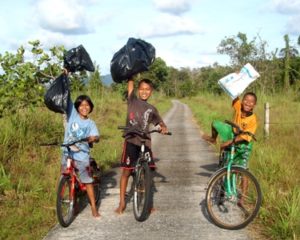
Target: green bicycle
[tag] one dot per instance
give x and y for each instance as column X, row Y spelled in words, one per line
column 233, row 196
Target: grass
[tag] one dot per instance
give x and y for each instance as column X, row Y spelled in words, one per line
column 274, row 161
column 29, row 172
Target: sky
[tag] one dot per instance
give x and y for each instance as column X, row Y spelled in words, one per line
column 185, row 33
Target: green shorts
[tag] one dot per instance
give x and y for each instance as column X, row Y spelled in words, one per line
column 224, row 130
column 242, row 151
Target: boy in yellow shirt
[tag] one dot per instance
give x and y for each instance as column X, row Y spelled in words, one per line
column 245, row 119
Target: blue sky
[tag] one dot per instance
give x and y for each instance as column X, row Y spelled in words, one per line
column 185, row 33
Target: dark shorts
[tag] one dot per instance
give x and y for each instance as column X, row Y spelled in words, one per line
column 131, row 154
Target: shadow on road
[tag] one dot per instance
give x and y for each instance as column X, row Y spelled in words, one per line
column 107, row 181
column 209, row 169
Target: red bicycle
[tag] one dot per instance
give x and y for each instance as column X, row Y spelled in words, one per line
column 70, row 187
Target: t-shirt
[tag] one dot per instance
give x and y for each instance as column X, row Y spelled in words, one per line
column 77, row 129
column 248, row 123
column 140, row 114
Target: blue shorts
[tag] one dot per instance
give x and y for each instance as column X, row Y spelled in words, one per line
column 83, row 167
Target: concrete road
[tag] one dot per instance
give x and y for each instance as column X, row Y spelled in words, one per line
column 184, row 164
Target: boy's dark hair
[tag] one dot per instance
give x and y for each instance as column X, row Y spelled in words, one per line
column 147, row 81
column 82, row 98
column 251, row 94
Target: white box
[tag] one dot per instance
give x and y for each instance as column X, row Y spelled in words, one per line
column 234, row 84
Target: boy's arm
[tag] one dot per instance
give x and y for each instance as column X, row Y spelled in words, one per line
column 235, row 100
column 130, row 86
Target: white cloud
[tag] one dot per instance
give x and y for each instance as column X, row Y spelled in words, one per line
column 64, row 16
column 169, row 25
column 293, row 26
column 50, row 39
column 173, row 6
column 287, row 7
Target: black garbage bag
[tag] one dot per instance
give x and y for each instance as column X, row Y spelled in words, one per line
column 78, row 59
column 57, row 96
column 135, row 57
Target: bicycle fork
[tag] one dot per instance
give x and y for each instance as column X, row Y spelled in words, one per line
column 230, row 181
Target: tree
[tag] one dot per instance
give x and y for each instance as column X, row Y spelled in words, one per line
column 158, row 73
column 95, row 81
column 22, row 81
column 238, row 48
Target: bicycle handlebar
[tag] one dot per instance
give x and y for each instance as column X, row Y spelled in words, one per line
column 64, row 144
column 239, row 130
column 140, row 132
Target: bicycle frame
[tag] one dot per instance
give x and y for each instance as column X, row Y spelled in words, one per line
column 71, row 171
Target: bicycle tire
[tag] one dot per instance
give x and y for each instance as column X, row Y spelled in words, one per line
column 142, row 194
column 234, row 212
column 65, row 202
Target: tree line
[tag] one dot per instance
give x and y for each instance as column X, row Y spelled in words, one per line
column 25, row 76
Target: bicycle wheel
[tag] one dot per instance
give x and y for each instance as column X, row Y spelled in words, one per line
column 65, row 202
column 235, row 208
column 142, row 194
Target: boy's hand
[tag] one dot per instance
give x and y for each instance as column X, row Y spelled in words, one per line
column 163, row 128
column 92, row 139
column 65, row 71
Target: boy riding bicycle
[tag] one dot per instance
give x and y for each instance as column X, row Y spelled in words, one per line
column 140, row 114
column 246, row 120
column 80, row 126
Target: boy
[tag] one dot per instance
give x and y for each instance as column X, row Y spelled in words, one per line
column 245, row 119
column 140, row 114
column 80, row 126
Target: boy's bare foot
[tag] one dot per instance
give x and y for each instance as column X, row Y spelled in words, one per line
column 209, row 139
column 119, row 210
column 96, row 214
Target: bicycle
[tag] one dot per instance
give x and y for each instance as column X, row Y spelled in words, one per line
column 142, row 179
column 233, row 196
column 70, row 187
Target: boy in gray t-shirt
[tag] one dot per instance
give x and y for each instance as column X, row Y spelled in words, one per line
column 140, row 115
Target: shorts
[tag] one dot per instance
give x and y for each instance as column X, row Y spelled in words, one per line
column 131, row 153
column 83, row 167
column 224, row 130
column 242, row 154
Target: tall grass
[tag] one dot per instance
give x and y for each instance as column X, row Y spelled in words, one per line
column 29, row 172
column 274, row 161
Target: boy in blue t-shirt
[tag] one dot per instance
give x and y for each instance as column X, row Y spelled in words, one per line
column 79, row 126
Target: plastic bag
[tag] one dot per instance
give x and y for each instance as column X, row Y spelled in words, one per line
column 234, row 84
column 135, row 57
column 57, row 96
column 77, row 59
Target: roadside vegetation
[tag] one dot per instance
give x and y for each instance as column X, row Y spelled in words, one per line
column 29, row 172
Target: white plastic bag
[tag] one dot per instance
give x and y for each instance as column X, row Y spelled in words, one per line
column 235, row 83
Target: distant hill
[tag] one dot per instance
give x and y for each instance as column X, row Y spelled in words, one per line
column 107, row 79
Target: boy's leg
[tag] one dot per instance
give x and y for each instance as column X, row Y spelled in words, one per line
column 85, row 178
column 123, row 186
column 219, row 128
column 90, row 193
column 214, row 134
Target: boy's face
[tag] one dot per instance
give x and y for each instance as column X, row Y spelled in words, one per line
column 84, row 109
column 144, row 91
column 248, row 103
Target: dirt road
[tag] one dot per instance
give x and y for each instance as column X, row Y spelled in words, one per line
column 184, row 163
